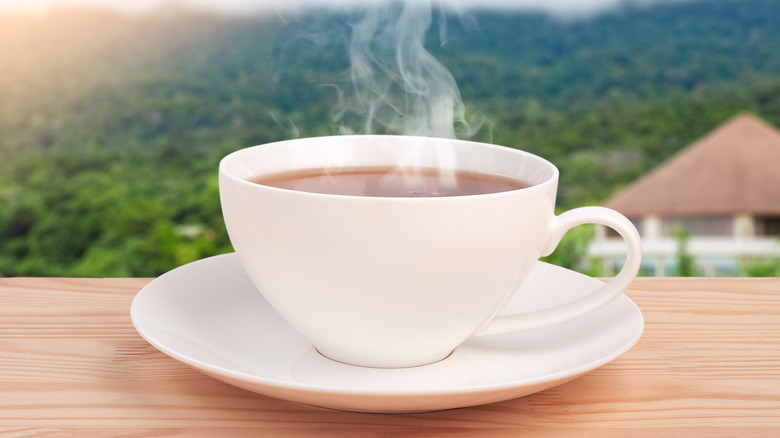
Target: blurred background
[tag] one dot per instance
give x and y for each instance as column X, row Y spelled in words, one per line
column 113, row 117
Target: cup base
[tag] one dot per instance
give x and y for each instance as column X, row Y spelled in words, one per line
column 383, row 367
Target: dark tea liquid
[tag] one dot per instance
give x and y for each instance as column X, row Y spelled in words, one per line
column 390, row 182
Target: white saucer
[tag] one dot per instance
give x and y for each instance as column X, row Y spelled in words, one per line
column 208, row 315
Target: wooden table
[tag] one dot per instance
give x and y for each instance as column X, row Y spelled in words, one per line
column 708, row 364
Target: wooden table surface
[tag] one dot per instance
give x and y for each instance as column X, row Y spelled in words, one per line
column 708, row 365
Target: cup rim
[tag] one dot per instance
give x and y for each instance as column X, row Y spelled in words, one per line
column 550, row 180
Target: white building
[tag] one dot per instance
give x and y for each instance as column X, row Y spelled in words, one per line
column 724, row 190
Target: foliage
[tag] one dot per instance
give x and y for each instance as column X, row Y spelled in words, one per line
column 684, row 261
column 112, row 126
column 572, row 251
column 760, row 267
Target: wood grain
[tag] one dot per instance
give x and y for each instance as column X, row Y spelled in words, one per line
column 708, row 365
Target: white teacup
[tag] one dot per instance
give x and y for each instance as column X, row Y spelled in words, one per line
column 401, row 282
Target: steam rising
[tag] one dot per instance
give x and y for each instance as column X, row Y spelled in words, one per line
column 396, row 85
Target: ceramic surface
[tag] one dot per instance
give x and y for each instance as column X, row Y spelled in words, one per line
column 402, row 281
column 209, row 315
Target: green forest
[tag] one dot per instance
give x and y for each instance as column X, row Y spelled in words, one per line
column 112, row 126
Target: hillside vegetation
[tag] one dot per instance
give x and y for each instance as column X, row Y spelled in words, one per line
column 112, row 126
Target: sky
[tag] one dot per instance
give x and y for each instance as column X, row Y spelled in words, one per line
column 244, row 6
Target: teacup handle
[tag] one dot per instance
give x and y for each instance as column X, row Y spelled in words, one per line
column 601, row 296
